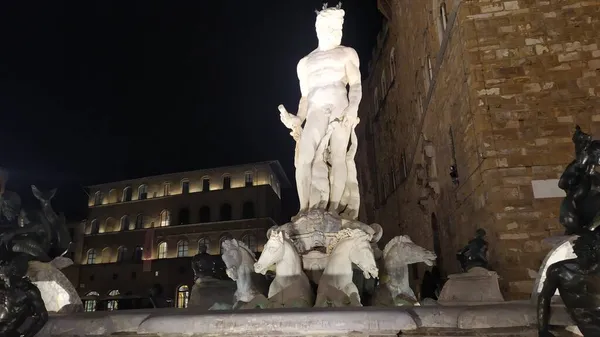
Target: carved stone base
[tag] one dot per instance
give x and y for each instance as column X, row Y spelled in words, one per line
column 205, row 293
column 316, row 228
column 476, row 287
column 58, row 293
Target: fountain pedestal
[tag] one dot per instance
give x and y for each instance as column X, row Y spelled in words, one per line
column 478, row 286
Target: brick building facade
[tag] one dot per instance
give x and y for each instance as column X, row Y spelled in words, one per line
column 143, row 232
column 491, row 90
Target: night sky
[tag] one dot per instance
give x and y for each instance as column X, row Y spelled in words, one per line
column 99, row 91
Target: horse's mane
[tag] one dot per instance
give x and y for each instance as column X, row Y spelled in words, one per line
column 394, row 241
column 344, row 234
column 243, row 246
column 238, row 247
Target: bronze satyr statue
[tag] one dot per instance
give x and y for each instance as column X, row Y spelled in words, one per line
column 474, row 254
column 581, row 183
column 578, row 281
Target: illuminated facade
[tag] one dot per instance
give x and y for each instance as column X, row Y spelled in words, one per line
column 466, row 122
column 143, row 232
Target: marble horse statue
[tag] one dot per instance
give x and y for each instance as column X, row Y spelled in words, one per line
column 336, row 289
column 240, row 260
column 394, row 288
column 291, row 287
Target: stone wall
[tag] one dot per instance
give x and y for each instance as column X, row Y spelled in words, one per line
column 495, row 88
column 511, row 319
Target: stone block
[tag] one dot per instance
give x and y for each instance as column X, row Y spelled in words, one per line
column 503, row 320
column 476, row 287
column 58, row 293
column 280, row 322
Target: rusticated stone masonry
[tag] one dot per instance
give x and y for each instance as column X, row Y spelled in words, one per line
column 510, row 80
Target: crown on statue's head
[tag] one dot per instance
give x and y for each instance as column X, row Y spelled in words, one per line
column 331, row 15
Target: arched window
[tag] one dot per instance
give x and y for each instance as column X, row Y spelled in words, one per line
column 250, row 241
column 182, row 248
column 225, row 212
column 91, row 256
column 205, row 184
column 226, row 181
column 124, row 223
column 204, row 214
column 98, row 198
column 166, row 189
column 185, row 186
column 106, row 255
column 90, row 305
column 183, row 296
column 248, row 179
column 184, row 216
column 112, row 304
column 138, row 254
column 443, row 16
column 95, row 227
column 393, row 63
column 162, row 250
column 139, row 221
column 121, row 253
column 248, row 210
column 142, row 192
column 127, row 193
column 112, row 196
column 204, row 243
column 165, row 218
column 109, row 225
column 221, row 240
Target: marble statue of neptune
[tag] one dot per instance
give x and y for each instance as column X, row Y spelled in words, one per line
column 329, row 111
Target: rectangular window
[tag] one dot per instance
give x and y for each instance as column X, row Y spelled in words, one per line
column 185, row 187
column 182, row 250
column 249, row 179
column 205, row 184
column 90, row 305
column 429, row 68
column 166, row 189
column 444, row 16
column 226, row 182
